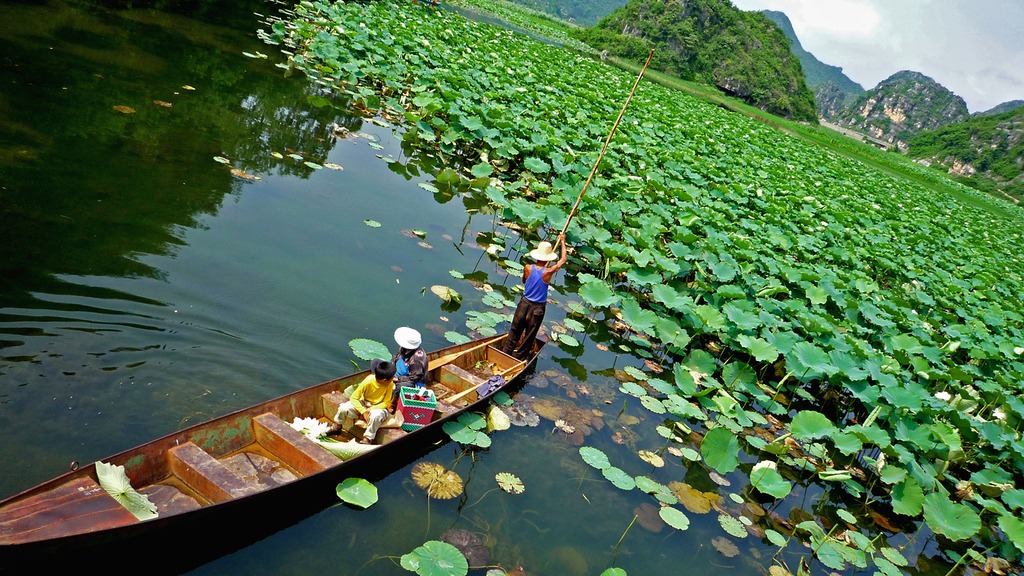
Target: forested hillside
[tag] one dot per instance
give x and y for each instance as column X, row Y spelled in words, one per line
column 582, row 12
column 984, row 151
column 711, row 42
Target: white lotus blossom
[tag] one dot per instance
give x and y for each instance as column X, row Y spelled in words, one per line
column 311, row 427
column 944, row 396
column 998, row 414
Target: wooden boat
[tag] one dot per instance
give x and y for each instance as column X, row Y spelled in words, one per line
column 234, row 478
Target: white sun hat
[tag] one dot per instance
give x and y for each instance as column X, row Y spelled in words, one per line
column 544, row 252
column 408, row 338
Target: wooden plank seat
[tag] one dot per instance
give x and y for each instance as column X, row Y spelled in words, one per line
column 459, row 380
column 291, row 446
column 206, row 475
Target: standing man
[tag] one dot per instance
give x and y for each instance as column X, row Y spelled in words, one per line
column 530, row 312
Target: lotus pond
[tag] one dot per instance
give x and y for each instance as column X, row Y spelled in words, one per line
column 763, row 357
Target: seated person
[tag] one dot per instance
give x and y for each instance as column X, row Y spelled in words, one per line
column 410, row 360
column 372, row 399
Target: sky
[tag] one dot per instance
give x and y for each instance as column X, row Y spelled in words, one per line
column 975, row 48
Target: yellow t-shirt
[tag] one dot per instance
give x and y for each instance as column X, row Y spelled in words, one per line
column 375, row 394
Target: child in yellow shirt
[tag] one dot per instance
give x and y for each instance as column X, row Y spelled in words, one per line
column 371, row 399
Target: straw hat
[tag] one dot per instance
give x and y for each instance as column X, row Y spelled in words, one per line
column 408, row 338
column 544, row 252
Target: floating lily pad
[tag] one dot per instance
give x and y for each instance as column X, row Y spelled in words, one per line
column 438, row 481
column 674, row 518
column 651, row 458
column 725, row 546
column 510, row 483
column 692, row 499
column 594, row 457
column 358, row 492
column 732, row 526
column 445, row 293
column 471, row 546
column 436, row 558
column 372, row 223
column 366, row 349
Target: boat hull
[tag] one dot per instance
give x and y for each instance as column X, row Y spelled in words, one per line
column 55, row 525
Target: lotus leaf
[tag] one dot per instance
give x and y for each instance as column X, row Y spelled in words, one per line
column 648, row 518
column 594, row 457
column 435, row 558
column 614, row 572
column 438, row 481
column 952, row 520
column 674, row 518
column 510, row 483
column 115, row 482
column 358, row 492
column 766, row 479
column 692, row 499
column 725, row 546
column 720, row 450
column 497, row 419
column 365, row 349
column 617, row 477
column 808, row 425
column 732, row 526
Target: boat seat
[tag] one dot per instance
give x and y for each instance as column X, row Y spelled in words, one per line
column 291, row 446
column 206, row 475
column 459, row 380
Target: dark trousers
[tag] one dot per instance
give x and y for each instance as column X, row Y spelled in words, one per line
column 526, row 324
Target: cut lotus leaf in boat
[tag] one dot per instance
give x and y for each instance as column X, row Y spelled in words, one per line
column 115, row 481
column 345, row 450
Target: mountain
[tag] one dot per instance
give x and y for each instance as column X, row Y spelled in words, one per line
column 1001, row 108
column 985, row 151
column 710, row 42
column 582, row 12
column 902, row 106
column 833, row 90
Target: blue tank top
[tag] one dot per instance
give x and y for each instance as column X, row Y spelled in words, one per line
column 536, row 288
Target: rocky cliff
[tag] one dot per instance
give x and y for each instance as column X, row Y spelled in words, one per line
column 901, row 107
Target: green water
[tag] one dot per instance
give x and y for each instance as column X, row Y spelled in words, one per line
column 144, row 287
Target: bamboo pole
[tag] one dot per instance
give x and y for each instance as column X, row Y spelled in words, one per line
column 607, row 141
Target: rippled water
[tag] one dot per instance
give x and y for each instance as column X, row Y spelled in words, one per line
column 143, row 287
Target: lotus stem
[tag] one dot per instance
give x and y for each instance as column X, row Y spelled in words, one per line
column 615, row 551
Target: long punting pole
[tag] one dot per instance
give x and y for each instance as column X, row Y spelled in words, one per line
column 606, row 142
